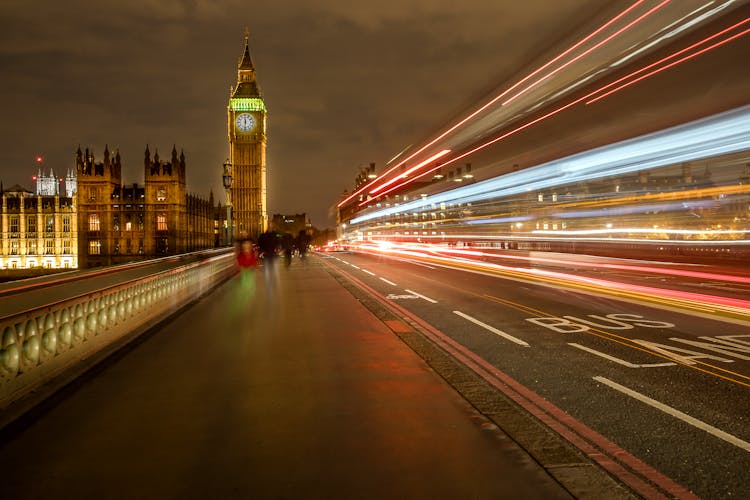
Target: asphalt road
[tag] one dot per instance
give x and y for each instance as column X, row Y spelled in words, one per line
column 670, row 387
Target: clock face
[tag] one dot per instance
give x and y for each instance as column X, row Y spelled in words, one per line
column 245, row 122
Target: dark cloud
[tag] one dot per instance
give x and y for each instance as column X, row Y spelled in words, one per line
column 345, row 84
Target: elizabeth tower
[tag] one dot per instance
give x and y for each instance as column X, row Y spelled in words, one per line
column 246, row 127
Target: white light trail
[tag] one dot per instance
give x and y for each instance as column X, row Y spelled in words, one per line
column 724, row 133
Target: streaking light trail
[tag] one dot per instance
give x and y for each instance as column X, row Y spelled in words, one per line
column 494, row 100
column 699, row 302
column 416, row 167
column 720, row 134
column 597, row 94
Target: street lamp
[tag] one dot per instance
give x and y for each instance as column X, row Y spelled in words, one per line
column 227, row 179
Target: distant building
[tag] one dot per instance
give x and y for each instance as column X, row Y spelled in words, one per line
column 49, row 185
column 38, row 230
column 291, row 224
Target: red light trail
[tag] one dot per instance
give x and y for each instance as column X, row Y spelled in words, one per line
column 588, row 96
column 495, row 99
column 412, row 169
column 588, row 51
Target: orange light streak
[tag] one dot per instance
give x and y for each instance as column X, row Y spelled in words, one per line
column 674, row 63
column 588, row 51
column 734, row 305
column 496, row 98
column 588, row 96
column 412, row 169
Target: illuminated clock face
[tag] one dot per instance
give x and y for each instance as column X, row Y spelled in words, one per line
column 245, row 122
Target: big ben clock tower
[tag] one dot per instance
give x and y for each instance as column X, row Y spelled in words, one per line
column 246, row 127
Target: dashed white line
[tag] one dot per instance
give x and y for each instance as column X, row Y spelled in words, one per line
column 355, row 267
column 368, row 272
column 492, row 329
column 421, row 296
column 677, row 414
column 389, row 282
column 618, row 360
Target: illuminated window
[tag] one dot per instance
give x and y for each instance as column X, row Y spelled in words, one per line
column 554, row 196
column 49, row 247
column 116, row 223
column 161, row 222
column 66, row 224
column 50, row 224
column 95, row 247
column 540, row 197
column 14, row 247
column 128, row 226
column 31, row 224
column 14, row 224
column 94, row 224
column 66, row 246
column 31, row 245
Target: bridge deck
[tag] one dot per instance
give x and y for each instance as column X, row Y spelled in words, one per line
column 280, row 384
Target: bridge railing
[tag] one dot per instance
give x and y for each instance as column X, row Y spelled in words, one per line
column 40, row 344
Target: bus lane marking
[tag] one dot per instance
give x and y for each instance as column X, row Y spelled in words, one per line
column 618, row 360
column 566, row 325
column 421, row 296
column 492, row 329
column 676, row 413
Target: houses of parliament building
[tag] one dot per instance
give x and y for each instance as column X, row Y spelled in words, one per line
column 96, row 220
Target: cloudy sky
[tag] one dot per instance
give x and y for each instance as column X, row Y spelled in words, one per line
column 346, row 83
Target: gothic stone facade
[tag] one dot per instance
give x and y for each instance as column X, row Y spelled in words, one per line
column 124, row 223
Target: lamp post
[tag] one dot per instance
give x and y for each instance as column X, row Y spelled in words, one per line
column 227, row 179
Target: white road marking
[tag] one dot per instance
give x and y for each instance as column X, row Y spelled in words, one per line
column 355, row 267
column 492, row 329
column 605, row 356
column 368, row 272
column 393, row 296
column 677, row 414
column 421, row 296
column 389, row 282
column 618, row 360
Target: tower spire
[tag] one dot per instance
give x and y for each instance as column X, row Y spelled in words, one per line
column 247, row 86
column 246, row 63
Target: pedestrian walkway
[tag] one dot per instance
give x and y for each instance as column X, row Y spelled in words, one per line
column 279, row 384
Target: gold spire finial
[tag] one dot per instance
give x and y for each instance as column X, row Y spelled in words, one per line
column 247, row 34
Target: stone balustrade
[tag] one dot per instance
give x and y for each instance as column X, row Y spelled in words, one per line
column 40, row 344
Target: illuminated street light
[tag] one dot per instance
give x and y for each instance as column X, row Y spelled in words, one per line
column 227, row 180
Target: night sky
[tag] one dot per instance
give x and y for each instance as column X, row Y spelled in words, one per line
column 346, row 83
